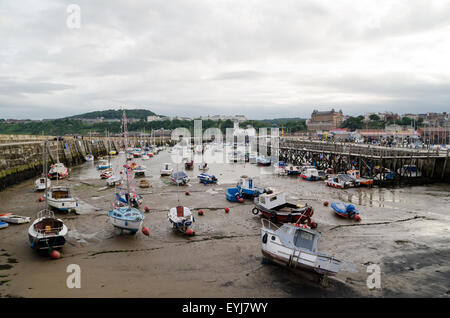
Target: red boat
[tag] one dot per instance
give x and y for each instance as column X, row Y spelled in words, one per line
column 189, row 164
column 274, row 207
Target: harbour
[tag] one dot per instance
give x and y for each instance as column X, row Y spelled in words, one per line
column 404, row 230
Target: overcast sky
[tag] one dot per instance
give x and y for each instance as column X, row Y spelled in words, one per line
column 263, row 59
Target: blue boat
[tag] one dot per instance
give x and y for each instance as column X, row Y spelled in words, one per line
column 3, row 225
column 206, row 178
column 346, row 210
column 234, row 195
column 247, row 188
column 179, row 178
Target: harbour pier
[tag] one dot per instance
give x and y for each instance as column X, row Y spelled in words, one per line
column 408, row 166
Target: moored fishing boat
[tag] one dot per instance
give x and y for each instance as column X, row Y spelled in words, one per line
column 296, row 246
column 166, row 169
column 293, row 170
column 139, row 170
column 47, row 231
column 42, row 183
column 106, row 173
column 103, row 164
column 341, row 181
column 114, row 181
column 362, row 181
column 309, row 173
column 179, row 178
column 181, row 219
column 126, row 218
column 3, row 225
column 60, row 198
column 203, row 166
column 274, row 207
column 206, row 178
column 58, row 171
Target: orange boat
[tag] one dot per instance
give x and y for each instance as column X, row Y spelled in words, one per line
column 362, row 181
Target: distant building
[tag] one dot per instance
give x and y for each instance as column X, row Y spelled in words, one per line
column 325, row 120
column 154, row 118
column 234, row 118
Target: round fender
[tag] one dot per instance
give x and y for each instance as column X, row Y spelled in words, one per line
column 255, row 211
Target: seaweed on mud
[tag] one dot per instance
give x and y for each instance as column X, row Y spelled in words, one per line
column 12, row 261
column 5, row 266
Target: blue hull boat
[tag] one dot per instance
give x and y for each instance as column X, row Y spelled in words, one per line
column 206, row 178
column 3, row 225
column 234, row 195
column 345, row 210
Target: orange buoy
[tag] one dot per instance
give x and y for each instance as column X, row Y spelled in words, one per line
column 146, row 231
column 189, row 232
column 325, row 203
column 240, row 200
column 187, row 193
column 313, row 225
column 200, row 212
column 357, row 217
column 227, row 209
column 146, row 208
column 55, row 254
column 41, row 199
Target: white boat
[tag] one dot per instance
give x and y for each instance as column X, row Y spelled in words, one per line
column 60, row 198
column 13, row 218
column 203, row 166
column 310, row 174
column 295, row 245
column 89, row 157
column 114, row 180
column 58, row 171
column 126, row 218
column 181, row 218
column 139, row 170
column 252, row 158
column 145, row 157
column 166, row 169
column 40, row 185
column 47, row 231
column 103, row 164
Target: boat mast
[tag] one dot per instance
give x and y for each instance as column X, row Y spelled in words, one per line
column 125, row 135
column 45, row 166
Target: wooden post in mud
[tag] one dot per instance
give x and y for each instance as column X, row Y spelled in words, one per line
column 445, row 166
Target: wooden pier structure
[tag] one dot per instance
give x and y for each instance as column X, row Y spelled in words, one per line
column 372, row 161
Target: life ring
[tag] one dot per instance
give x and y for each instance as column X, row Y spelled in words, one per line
column 255, row 211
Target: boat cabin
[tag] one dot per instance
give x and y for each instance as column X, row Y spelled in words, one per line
column 245, row 182
column 299, row 237
column 271, row 201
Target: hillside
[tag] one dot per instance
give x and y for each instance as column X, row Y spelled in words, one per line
column 116, row 114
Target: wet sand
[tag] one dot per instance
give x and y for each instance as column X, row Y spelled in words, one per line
column 405, row 230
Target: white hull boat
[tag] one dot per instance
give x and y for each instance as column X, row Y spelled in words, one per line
column 295, row 246
column 89, row 158
column 14, row 219
column 166, row 169
column 58, row 171
column 181, row 218
column 39, row 184
column 47, row 231
column 60, row 198
column 114, row 180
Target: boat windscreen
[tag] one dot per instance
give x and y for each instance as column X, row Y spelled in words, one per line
column 304, row 240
